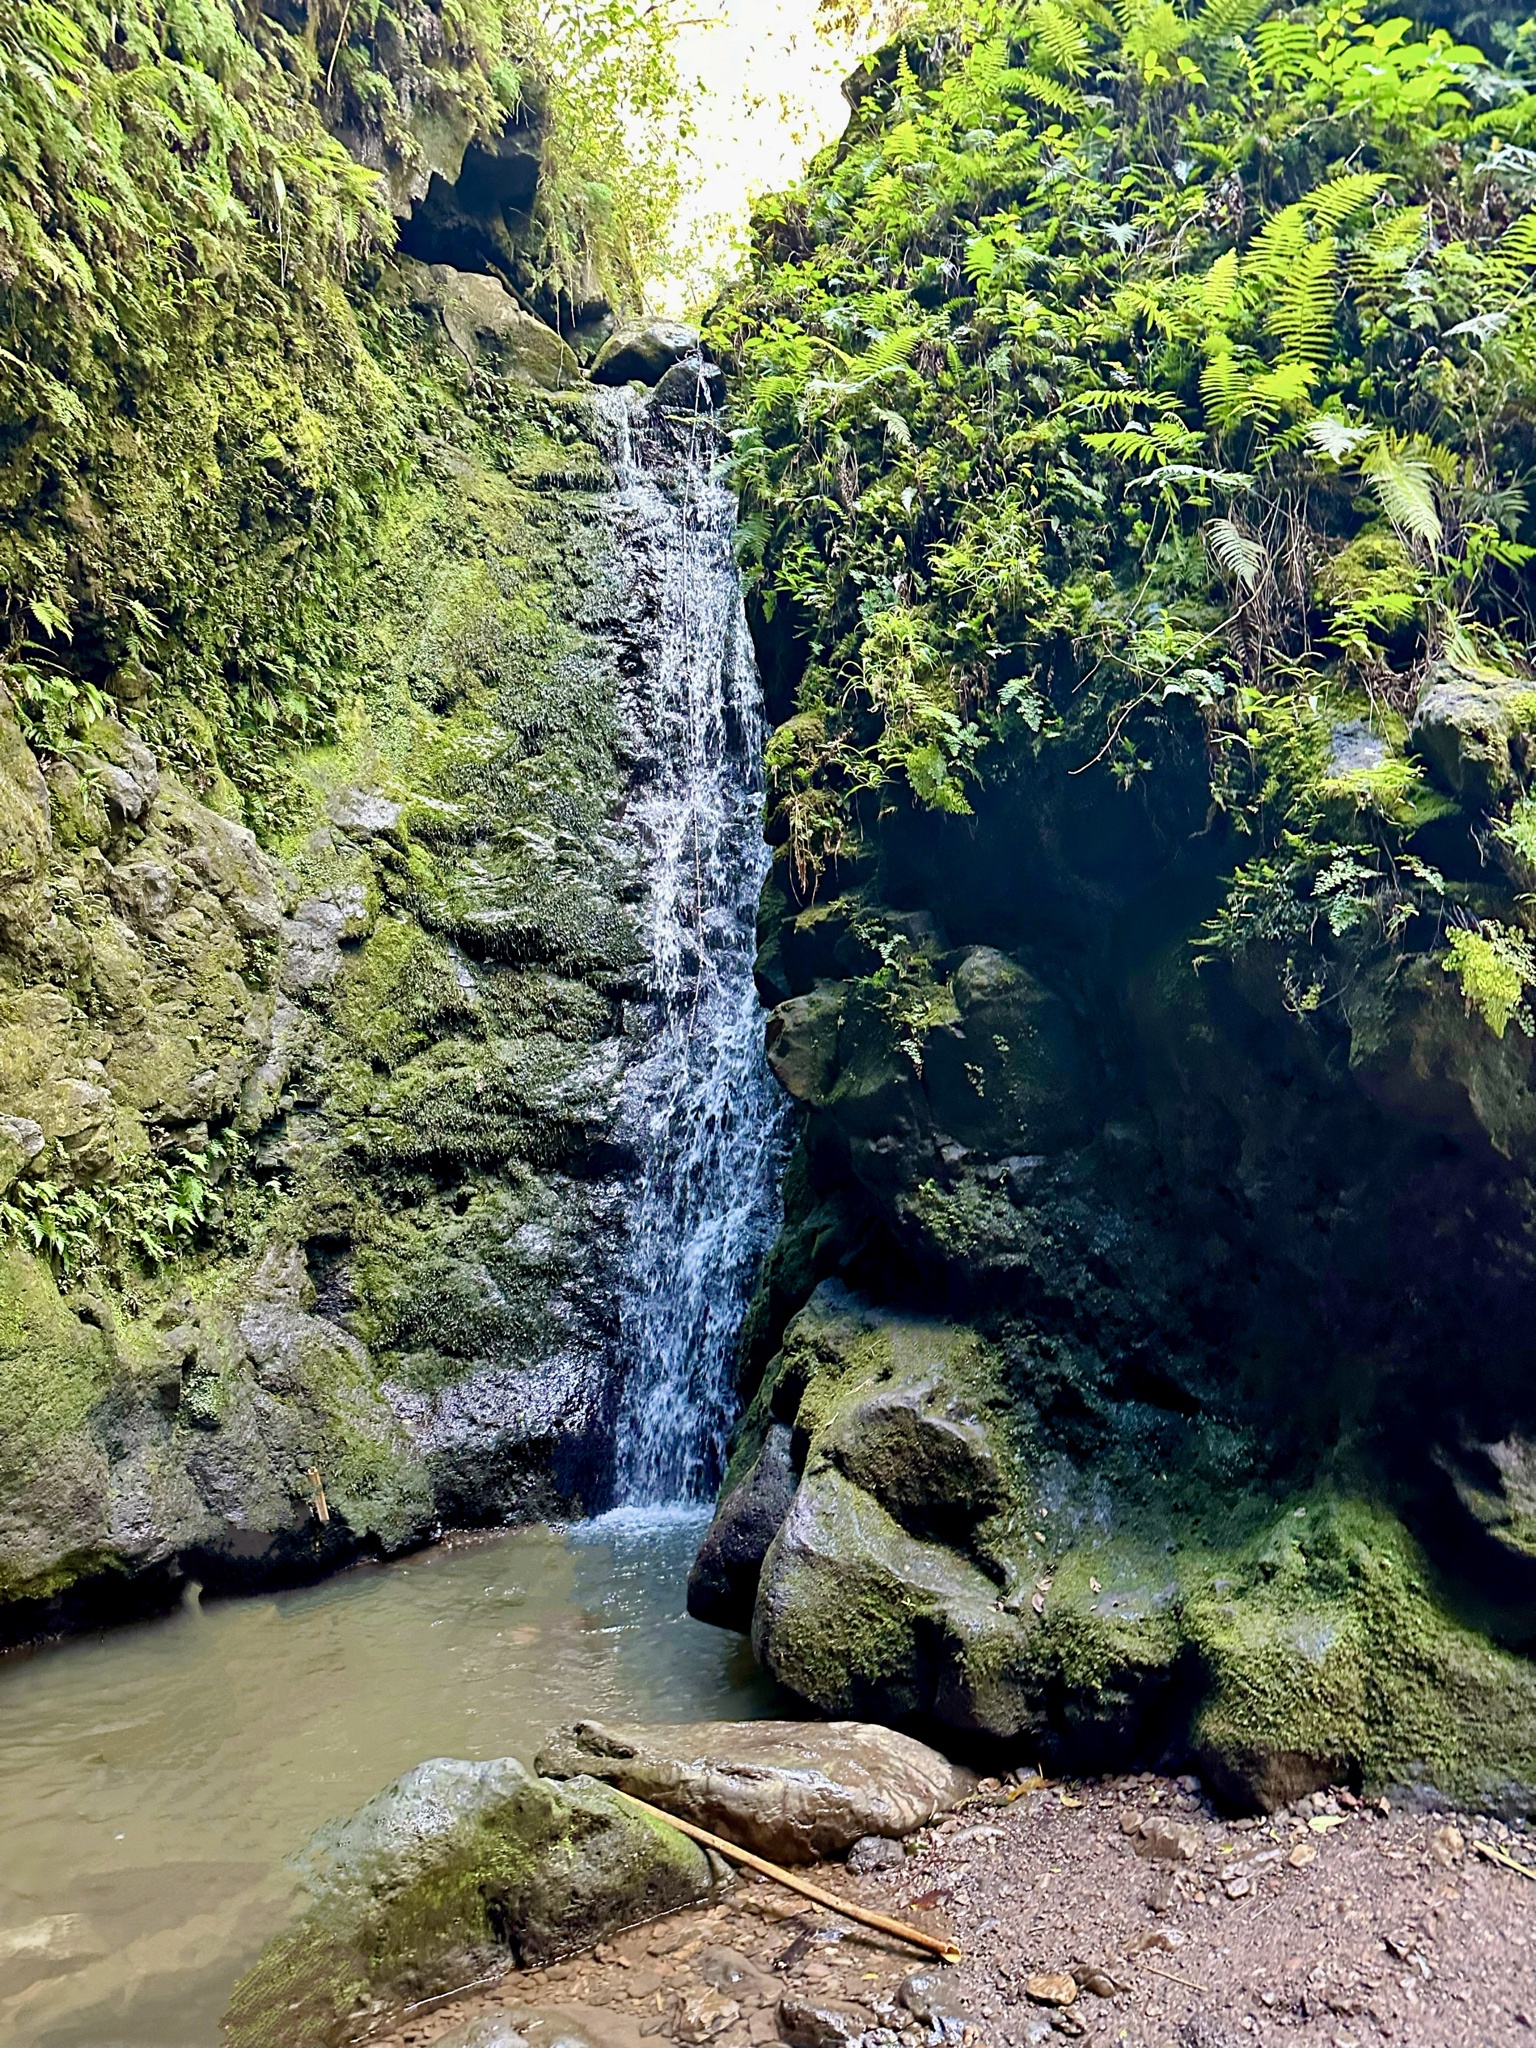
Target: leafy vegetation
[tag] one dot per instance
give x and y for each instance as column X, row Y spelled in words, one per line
column 203, row 412
column 1131, row 373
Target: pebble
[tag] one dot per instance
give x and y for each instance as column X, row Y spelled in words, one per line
column 807, row 2024
column 1168, row 1841
column 874, row 1852
column 1052, row 1987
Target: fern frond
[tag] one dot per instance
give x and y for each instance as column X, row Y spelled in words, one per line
column 1218, row 19
column 1059, row 37
column 1223, row 389
column 1393, row 241
column 1301, row 311
column 1218, row 288
column 1331, row 205
column 1047, row 91
column 1243, row 556
column 1404, row 483
column 1287, row 50
column 1340, row 440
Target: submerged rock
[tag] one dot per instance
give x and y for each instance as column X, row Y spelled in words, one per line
column 455, row 1871
column 794, row 1791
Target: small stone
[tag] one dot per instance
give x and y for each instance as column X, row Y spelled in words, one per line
column 1303, row 1854
column 1052, row 1987
column 804, row 2023
column 1095, row 1978
column 1447, row 1846
column 1130, row 1822
column 874, row 1852
column 725, row 1968
column 1166, row 1938
column 1168, row 1841
column 1160, row 1893
column 1238, row 1887
column 703, row 2016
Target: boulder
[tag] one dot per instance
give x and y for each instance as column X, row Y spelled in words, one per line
column 791, row 1790
column 801, row 1042
column 692, row 386
column 722, row 1586
column 1469, row 731
column 643, row 352
column 1012, row 1074
column 456, row 1870
column 491, row 330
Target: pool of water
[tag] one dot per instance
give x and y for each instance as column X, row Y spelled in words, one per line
column 154, row 1780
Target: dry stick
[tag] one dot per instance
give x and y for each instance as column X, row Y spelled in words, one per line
column 1503, row 1858
column 1188, row 1982
column 935, row 1944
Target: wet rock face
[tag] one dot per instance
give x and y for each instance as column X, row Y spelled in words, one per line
column 722, row 1586
column 368, row 1071
column 1176, row 1246
column 794, row 1791
column 455, row 1870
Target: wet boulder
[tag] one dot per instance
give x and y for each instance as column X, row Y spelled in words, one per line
column 643, row 352
column 691, row 386
column 453, row 1872
column 722, row 1586
column 792, row 1790
column 1011, row 1075
column 491, row 330
column 1473, row 734
column 801, row 1042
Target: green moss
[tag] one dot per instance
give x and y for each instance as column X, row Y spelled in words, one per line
column 54, row 1369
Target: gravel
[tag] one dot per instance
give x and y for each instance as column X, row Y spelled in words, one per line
column 1334, row 1923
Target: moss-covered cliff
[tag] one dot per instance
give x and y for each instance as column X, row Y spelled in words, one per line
column 316, row 907
column 1132, row 415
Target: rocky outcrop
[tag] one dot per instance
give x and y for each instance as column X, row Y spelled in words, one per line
column 488, row 327
column 307, row 1145
column 942, row 1562
column 794, row 1791
column 455, row 1871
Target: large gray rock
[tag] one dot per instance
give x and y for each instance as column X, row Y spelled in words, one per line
column 722, row 1586
column 792, row 1790
column 455, row 1871
column 488, row 327
column 644, row 352
column 1472, row 734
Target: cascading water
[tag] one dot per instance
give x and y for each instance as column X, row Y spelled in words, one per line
column 701, row 1108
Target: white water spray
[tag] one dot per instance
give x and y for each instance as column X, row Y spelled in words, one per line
column 701, row 1107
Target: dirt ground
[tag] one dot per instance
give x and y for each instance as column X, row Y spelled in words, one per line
column 1333, row 1923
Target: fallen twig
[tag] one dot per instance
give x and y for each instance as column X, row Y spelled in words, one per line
column 1503, row 1858
column 934, row 1944
column 1188, row 1982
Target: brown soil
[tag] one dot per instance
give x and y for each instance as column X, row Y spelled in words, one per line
column 1331, row 1924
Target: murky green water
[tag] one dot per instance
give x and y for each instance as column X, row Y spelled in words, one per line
column 153, row 1780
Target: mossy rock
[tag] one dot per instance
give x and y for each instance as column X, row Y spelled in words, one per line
column 942, row 1562
column 455, row 1871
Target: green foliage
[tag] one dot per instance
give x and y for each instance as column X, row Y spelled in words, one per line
column 1121, row 369
column 145, row 1218
column 206, row 381
column 1495, row 965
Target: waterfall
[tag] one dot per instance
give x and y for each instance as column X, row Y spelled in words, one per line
column 701, row 1109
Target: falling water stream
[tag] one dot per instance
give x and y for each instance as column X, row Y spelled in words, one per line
column 703, row 1111
column 155, row 1780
